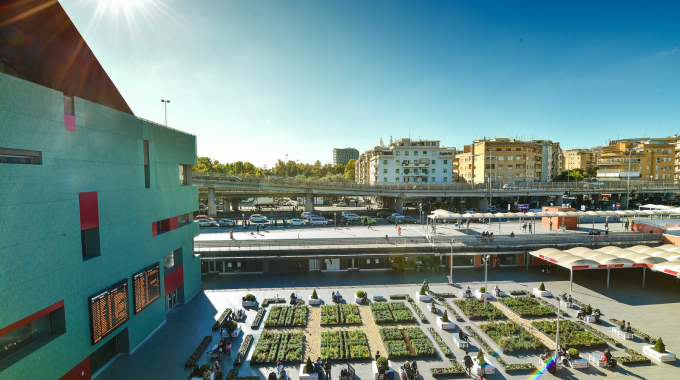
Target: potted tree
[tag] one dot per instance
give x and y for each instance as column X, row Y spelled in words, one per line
column 658, row 352
column 248, row 300
column 589, row 314
column 377, row 363
column 541, row 292
column 422, row 296
column 482, row 365
column 481, row 293
column 360, row 297
column 576, row 360
column 445, row 323
column 307, row 371
column 232, row 329
column 314, row 299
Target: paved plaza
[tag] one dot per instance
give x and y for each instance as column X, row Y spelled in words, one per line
column 652, row 309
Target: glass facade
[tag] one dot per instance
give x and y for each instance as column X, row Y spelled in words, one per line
column 24, row 336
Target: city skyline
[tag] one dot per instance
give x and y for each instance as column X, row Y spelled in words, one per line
column 302, row 79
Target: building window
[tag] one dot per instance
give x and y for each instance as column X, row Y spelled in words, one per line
column 396, row 179
column 432, row 179
column 406, row 153
column 89, row 240
column 385, row 162
column 501, row 158
column 509, row 167
column 500, row 167
column 147, row 171
column 445, row 179
column 432, row 170
column 385, row 179
column 89, row 224
column 424, row 153
column 184, row 174
column 434, row 162
column 385, row 171
column 446, row 170
column 415, row 152
column 398, row 162
column 510, row 158
column 518, row 158
column 30, row 335
column 432, row 153
column 509, row 175
column 500, row 176
column 397, row 171
column 17, row 156
column 445, row 162
column 398, row 153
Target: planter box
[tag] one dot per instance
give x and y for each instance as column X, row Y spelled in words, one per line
column 312, row 301
column 305, row 376
column 378, row 297
column 595, row 360
column 666, row 357
column 233, row 334
column 578, row 363
column 480, row 296
column 247, row 303
column 425, row 298
column 487, row 369
column 358, row 300
column 624, row 334
column 445, row 325
column 590, row 319
column 558, row 364
column 462, row 344
column 463, row 294
column 544, row 293
column 566, row 305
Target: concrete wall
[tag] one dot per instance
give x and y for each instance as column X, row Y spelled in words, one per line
column 41, row 259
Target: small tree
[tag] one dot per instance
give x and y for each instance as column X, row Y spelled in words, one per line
column 249, row 297
column 382, row 361
column 480, row 357
column 309, row 368
column 445, row 317
column 659, row 346
column 573, row 353
column 482, row 290
column 422, row 290
column 360, row 293
column 314, row 295
column 542, row 287
column 589, row 310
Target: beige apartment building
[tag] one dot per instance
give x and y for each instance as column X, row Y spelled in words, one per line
column 650, row 159
column 509, row 161
column 580, row 159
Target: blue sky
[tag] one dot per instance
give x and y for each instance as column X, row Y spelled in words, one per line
column 254, row 80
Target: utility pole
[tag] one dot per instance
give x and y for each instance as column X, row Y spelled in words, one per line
column 486, row 282
column 630, row 151
column 286, row 164
column 166, row 110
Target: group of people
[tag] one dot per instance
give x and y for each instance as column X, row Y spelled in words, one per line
column 524, row 227
column 582, row 314
column 545, row 269
column 485, row 235
column 337, row 298
column 566, row 298
column 597, row 233
column 625, row 327
column 207, row 373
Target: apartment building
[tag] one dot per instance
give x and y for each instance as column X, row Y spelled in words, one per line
column 343, row 155
column 509, row 161
column 99, row 244
column 406, row 160
column 580, row 158
column 644, row 159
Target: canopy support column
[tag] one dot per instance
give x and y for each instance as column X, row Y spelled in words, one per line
column 526, row 259
column 644, row 271
column 571, row 280
column 608, row 271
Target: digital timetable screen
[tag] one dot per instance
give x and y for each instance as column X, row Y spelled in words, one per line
column 109, row 309
column 146, row 286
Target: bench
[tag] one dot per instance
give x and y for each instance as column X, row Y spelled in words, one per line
column 565, row 304
column 500, row 293
column 558, row 364
column 462, row 344
column 624, row 334
column 596, row 361
column 590, row 319
column 378, row 297
column 578, row 363
column 486, row 368
column 464, row 294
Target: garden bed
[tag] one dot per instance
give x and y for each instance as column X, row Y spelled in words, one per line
column 445, row 348
column 409, row 342
column 480, row 340
column 390, row 312
column 602, row 335
column 197, row 352
column 285, row 347
column 241, row 355
column 550, row 306
column 455, row 370
column 233, row 374
column 520, row 367
column 287, row 316
column 346, row 345
column 452, row 312
column 220, row 321
column 474, row 309
column 634, row 358
column 267, row 301
column 422, row 316
column 527, row 307
column 511, row 337
column 571, row 334
column 441, row 295
column 345, row 314
column 521, row 293
column 636, row 331
column 401, row 297
column 258, row 319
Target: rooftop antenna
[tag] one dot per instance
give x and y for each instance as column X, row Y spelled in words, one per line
column 409, row 133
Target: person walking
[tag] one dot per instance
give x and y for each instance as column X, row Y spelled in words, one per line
column 529, row 228
column 399, row 230
column 327, row 368
column 467, row 361
column 551, row 225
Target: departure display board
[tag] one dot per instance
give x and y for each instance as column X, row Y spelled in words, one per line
column 109, row 309
column 146, row 286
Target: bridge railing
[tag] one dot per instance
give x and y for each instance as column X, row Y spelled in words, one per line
column 451, row 186
column 434, row 242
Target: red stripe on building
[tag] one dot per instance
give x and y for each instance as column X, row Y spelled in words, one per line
column 671, row 272
column 639, row 265
column 602, row 266
column 79, row 372
column 174, row 222
column 174, row 280
column 154, row 229
column 69, row 122
column 6, row 330
column 89, row 210
column 580, row 267
column 616, row 266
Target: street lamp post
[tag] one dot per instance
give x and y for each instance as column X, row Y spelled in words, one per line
column 335, row 221
column 243, row 221
column 486, row 282
column 630, row 151
column 165, row 102
column 286, row 164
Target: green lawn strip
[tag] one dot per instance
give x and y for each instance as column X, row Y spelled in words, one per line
column 638, row 332
column 601, row 334
column 527, row 307
column 474, row 309
column 572, row 335
column 346, row 345
column 510, row 336
column 445, row 348
column 287, row 316
column 276, row 346
column 483, row 344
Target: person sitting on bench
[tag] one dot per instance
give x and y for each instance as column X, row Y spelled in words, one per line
column 293, row 299
column 461, row 335
column 596, row 315
column 468, row 292
column 628, row 328
column 622, row 325
column 338, row 296
column 581, row 313
column 335, row 298
column 433, row 309
column 497, row 290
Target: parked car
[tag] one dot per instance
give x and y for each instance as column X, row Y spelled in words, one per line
column 226, row 223
column 257, row 218
column 408, row 219
column 326, row 214
column 202, row 217
column 593, row 184
column 296, row 222
column 317, row 221
column 206, row 223
column 363, row 219
column 305, row 215
column 340, row 204
column 383, row 214
column 396, row 214
column 350, row 216
column 394, row 219
column 510, row 186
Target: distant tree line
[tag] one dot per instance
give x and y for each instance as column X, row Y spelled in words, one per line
column 290, row 169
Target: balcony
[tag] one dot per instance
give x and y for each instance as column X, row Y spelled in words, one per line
column 618, row 162
column 420, row 174
column 409, row 164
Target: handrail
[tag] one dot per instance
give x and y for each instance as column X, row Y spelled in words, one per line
column 164, row 126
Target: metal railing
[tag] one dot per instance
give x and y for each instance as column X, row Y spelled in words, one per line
column 434, row 242
column 164, row 126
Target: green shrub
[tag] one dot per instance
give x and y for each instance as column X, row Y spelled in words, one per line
column 445, row 317
column 231, row 326
column 422, row 290
column 480, row 357
column 309, row 368
column 659, row 346
column 382, row 360
column 589, row 310
column 203, row 368
column 573, row 353
column 314, row 295
column 249, row 297
column 360, row 293
column 542, row 287
column 482, row 290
